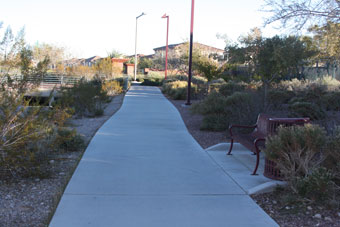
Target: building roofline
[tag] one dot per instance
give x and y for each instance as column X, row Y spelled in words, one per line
column 174, row 45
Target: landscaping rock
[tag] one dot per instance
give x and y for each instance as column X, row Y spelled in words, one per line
column 318, row 216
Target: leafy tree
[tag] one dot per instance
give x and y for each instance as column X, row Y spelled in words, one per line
column 247, row 51
column 207, row 67
column 279, row 57
column 301, row 13
column 322, row 17
column 54, row 53
column 10, row 47
column 327, row 39
column 145, row 63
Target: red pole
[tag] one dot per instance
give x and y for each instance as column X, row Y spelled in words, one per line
column 190, row 52
column 166, row 48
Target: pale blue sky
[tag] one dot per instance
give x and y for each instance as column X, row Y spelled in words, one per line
column 95, row 27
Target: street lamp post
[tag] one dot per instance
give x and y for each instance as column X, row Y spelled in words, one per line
column 190, row 52
column 136, row 45
column 166, row 48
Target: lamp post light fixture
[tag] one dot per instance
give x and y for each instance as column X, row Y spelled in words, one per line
column 190, row 52
column 166, row 48
column 136, row 45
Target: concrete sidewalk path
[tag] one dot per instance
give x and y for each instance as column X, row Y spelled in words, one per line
column 144, row 169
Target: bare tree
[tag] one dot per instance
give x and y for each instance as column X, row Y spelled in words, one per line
column 301, row 13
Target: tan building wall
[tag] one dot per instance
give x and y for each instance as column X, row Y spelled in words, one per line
column 130, row 69
column 118, row 65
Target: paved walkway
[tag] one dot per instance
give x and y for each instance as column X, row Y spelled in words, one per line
column 143, row 169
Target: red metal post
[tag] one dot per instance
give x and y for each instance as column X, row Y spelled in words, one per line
column 166, row 48
column 190, row 52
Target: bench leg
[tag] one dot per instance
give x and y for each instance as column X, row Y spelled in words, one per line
column 257, row 161
column 231, row 146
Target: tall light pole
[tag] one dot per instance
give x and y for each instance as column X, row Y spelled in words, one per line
column 190, row 51
column 166, row 48
column 136, row 45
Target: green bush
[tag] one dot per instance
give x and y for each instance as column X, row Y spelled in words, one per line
column 317, row 185
column 331, row 101
column 195, row 79
column 214, row 103
column 152, row 82
column 68, row 140
column 125, row 82
column 26, row 134
column 85, row 97
column 220, row 111
column 306, row 109
column 296, row 149
column 112, row 88
column 333, row 150
column 277, row 98
column 231, row 87
column 178, row 90
column 302, row 153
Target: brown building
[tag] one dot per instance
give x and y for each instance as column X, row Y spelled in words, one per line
column 176, row 50
column 118, row 65
column 129, row 69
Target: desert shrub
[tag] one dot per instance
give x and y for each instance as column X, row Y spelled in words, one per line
column 231, row 87
column 277, row 98
column 26, row 134
column 292, row 85
column 218, row 81
column 296, row 150
column 152, row 82
column 220, row 111
column 125, row 82
column 85, row 97
column 333, row 149
column 331, row 101
column 306, row 109
column 215, row 85
column 214, row 103
column 302, row 153
column 153, row 79
column 178, row 89
column 317, row 185
column 152, row 74
column 325, row 83
column 313, row 93
column 194, row 79
column 213, row 108
column 112, row 88
column 140, row 79
column 329, row 82
column 68, row 140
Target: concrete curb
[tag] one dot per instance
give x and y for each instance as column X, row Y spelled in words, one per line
column 260, row 184
column 266, row 187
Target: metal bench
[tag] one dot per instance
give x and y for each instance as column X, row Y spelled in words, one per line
column 264, row 127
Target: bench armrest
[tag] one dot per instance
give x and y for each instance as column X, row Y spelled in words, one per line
column 256, row 141
column 240, row 126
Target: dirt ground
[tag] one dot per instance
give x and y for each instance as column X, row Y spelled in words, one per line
column 31, row 202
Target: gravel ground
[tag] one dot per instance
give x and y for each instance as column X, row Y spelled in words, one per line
column 31, row 202
column 204, row 138
column 298, row 214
